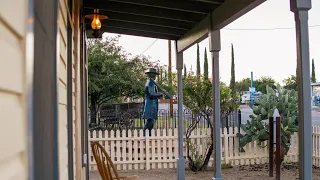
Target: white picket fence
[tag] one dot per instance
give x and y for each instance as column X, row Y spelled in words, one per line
column 131, row 150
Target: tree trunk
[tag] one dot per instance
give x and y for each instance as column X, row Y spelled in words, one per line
column 93, row 110
column 207, row 159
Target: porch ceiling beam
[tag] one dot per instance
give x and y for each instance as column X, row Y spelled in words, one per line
column 144, row 11
column 186, row 6
column 134, row 32
column 232, row 10
column 226, row 13
column 210, row 1
column 154, row 21
column 145, row 28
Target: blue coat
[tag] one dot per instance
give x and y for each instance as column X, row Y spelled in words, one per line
column 150, row 109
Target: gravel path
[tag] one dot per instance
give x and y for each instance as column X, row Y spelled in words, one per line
column 235, row 173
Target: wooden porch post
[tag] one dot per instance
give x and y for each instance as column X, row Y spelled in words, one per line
column 45, row 90
column 181, row 161
column 215, row 47
column 300, row 9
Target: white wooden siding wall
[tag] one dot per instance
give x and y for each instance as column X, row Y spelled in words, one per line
column 161, row 149
column 13, row 150
column 75, row 88
column 79, row 171
column 74, row 117
column 62, row 90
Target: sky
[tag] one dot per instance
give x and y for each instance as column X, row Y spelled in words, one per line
column 268, row 52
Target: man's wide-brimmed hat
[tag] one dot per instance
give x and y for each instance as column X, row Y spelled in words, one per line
column 152, row 71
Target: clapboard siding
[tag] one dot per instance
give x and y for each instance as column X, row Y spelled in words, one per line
column 14, row 13
column 13, row 156
column 62, row 92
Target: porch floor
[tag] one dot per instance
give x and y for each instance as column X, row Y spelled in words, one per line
column 235, row 173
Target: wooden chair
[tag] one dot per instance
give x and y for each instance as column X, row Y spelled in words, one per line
column 106, row 168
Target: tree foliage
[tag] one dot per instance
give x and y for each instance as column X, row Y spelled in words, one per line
column 243, row 85
column 313, row 73
column 184, row 71
column 112, row 74
column 164, row 79
column 205, row 65
column 197, row 96
column 258, row 130
column 262, row 83
column 198, row 61
column 291, row 83
column 233, row 78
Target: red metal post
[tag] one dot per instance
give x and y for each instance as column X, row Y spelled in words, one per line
column 270, row 146
column 278, row 147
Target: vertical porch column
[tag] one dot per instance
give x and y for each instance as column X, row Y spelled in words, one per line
column 45, row 111
column 180, row 160
column 214, row 47
column 300, row 9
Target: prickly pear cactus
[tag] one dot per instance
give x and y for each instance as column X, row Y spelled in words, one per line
column 258, row 129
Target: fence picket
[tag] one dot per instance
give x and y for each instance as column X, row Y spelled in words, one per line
column 118, row 150
column 135, row 150
column 106, row 143
column 315, row 147
column 317, row 139
column 153, row 149
column 236, row 148
column 225, row 150
column 143, row 150
column 175, row 145
column 158, row 149
column 129, row 146
column 123, row 150
column 170, row 148
column 112, row 143
column 164, row 153
column 231, row 146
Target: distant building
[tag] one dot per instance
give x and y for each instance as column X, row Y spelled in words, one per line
column 315, row 94
column 245, row 98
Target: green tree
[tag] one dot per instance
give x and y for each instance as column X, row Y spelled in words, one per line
column 233, row 78
column 290, row 83
column 197, row 96
column 243, row 85
column 165, row 76
column 262, row 83
column 205, row 65
column 184, row 71
column 198, row 61
column 111, row 74
column 313, row 74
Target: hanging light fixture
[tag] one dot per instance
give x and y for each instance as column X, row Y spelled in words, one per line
column 96, row 22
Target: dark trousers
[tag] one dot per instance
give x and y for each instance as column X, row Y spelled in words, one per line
column 148, row 125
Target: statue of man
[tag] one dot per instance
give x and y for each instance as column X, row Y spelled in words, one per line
column 150, row 108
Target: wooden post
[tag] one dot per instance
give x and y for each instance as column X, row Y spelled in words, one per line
column 270, row 146
column 278, row 147
column 170, row 75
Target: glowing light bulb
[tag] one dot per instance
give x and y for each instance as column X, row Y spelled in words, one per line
column 96, row 23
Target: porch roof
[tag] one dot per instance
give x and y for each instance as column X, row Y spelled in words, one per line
column 184, row 20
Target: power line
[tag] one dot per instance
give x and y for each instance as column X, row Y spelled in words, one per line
column 149, row 46
column 232, row 29
column 266, row 29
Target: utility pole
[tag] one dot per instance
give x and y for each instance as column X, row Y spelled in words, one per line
column 170, row 75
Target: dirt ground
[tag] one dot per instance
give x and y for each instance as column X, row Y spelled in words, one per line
column 254, row 172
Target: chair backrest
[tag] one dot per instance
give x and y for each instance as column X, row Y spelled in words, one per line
column 106, row 168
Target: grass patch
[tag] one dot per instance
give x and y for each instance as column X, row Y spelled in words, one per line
column 226, row 166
